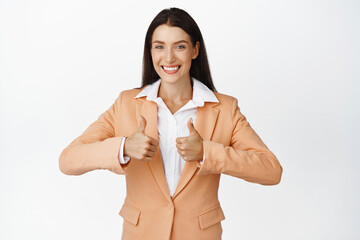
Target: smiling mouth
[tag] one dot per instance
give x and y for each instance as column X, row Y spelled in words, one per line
column 171, row 69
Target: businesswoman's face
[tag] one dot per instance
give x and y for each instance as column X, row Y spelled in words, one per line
column 172, row 53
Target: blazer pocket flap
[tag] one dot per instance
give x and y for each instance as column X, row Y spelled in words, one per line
column 211, row 217
column 130, row 214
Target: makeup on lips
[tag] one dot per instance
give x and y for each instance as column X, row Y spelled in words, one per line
column 171, row 69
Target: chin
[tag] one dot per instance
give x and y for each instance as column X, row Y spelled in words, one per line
column 171, row 79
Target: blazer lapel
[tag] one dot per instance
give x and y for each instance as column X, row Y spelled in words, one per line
column 206, row 118
column 148, row 109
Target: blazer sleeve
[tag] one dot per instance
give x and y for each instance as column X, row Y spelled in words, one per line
column 247, row 157
column 96, row 148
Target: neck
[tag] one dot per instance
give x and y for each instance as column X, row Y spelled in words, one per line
column 178, row 91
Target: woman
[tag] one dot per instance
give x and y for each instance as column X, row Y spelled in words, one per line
column 172, row 138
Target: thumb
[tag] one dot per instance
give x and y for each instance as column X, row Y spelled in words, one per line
column 142, row 125
column 191, row 127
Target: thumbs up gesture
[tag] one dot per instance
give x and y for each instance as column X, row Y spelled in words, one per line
column 139, row 145
column 190, row 148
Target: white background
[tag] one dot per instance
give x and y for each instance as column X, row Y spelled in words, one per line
column 293, row 65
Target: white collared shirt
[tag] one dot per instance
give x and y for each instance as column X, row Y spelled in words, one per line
column 172, row 126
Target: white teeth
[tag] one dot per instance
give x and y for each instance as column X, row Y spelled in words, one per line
column 171, row 69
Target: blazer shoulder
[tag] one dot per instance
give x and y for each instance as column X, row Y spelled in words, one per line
column 130, row 93
column 125, row 99
column 225, row 100
column 127, row 96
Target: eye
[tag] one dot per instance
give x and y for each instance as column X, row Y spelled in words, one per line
column 181, row 47
column 159, row 47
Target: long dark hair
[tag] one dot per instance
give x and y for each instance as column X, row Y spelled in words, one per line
column 177, row 18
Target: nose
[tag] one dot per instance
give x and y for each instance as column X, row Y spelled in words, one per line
column 169, row 55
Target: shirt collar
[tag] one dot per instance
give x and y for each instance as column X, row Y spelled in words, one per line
column 201, row 93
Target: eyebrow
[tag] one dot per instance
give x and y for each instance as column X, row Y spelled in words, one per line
column 161, row 42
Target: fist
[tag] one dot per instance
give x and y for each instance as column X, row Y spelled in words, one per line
column 190, row 148
column 140, row 146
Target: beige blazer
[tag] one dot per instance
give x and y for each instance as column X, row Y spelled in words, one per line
column 231, row 147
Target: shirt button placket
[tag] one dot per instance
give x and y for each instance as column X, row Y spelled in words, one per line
column 174, row 131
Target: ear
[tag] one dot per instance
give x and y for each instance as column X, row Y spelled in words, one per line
column 196, row 50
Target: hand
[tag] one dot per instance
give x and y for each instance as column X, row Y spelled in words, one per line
column 139, row 145
column 190, row 148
